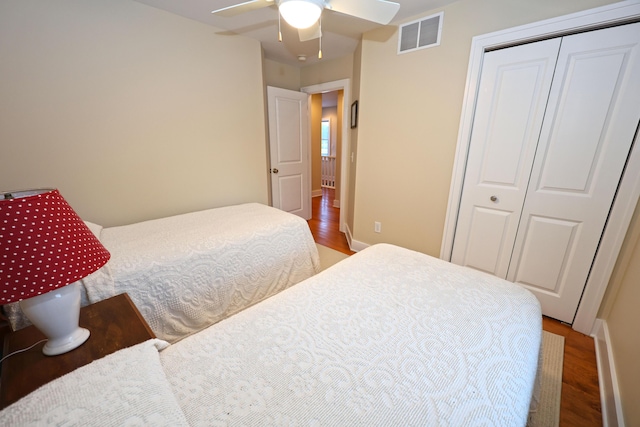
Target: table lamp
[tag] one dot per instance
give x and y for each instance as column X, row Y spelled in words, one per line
column 45, row 248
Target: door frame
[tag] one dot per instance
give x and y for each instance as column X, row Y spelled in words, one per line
column 345, row 86
column 629, row 189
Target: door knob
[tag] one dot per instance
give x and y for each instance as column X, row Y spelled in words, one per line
column 275, row 170
column 493, row 198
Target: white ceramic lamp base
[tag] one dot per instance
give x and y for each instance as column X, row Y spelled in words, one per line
column 56, row 315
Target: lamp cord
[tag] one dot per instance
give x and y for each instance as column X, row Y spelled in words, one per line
column 20, row 351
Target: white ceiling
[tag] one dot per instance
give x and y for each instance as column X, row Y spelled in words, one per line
column 341, row 33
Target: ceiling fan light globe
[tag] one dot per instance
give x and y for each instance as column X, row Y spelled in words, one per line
column 300, row 13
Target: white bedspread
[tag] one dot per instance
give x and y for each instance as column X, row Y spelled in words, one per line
column 126, row 388
column 388, row 337
column 189, row 271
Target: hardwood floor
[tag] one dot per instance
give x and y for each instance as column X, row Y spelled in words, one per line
column 325, row 223
column 580, row 401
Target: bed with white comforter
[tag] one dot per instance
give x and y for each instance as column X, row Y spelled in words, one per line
column 387, row 337
column 189, row 271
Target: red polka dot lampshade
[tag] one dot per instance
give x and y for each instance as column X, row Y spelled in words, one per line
column 44, row 245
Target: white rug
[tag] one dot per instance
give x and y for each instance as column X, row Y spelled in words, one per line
column 548, row 413
column 329, row 256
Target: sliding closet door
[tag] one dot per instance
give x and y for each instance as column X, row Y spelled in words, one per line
column 591, row 119
column 511, row 103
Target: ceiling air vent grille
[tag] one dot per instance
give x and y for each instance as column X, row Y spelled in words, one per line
column 420, row 34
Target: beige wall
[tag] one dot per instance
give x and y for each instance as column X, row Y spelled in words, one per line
column 620, row 310
column 288, row 77
column 281, row 75
column 338, row 153
column 353, row 148
column 316, row 134
column 327, row 71
column 622, row 323
column 409, row 115
column 132, row 112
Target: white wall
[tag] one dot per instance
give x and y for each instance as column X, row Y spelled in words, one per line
column 132, row 112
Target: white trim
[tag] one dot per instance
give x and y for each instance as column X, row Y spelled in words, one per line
column 612, row 239
column 607, row 378
column 316, row 193
column 345, row 86
column 354, row 245
column 347, row 234
column 629, row 190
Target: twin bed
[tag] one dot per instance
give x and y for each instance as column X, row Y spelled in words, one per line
column 189, row 271
column 387, row 337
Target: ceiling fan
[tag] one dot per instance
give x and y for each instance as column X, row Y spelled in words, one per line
column 305, row 14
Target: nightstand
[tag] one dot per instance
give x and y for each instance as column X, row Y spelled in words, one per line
column 114, row 323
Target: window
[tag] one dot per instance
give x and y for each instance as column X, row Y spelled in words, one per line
column 325, row 143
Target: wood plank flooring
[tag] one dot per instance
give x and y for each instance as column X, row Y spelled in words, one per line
column 580, row 401
column 325, row 223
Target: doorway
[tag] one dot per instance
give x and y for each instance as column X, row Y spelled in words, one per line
column 342, row 131
column 325, row 149
column 324, row 223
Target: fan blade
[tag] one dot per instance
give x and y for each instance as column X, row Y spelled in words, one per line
column 247, row 6
column 379, row 11
column 313, row 32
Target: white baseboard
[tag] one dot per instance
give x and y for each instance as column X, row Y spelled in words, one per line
column 316, row 193
column 354, row 245
column 609, row 392
column 336, row 203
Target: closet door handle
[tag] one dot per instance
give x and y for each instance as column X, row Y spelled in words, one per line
column 493, row 198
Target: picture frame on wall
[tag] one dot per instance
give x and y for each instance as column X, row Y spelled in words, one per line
column 354, row 114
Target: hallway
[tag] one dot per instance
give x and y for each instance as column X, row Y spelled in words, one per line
column 325, row 223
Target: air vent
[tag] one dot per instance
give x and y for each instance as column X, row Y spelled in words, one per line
column 420, row 34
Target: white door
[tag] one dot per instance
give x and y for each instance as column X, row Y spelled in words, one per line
column 513, row 93
column 591, row 119
column 289, row 151
column 549, row 241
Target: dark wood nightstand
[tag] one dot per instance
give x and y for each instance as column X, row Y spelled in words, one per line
column 114, row 323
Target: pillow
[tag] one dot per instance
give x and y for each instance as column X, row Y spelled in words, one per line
column 98, row 285
column 95, row 228
column 127, row 387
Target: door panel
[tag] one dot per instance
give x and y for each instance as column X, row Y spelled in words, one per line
column 590, row 123
column 289, row 151
column 548, row 249
column 576, row 137
column 487, row 241
column 511, row 102
column 293, row 186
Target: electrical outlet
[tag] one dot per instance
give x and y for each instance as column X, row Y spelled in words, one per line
column 377, row 227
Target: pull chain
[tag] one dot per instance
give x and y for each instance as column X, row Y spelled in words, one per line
column 320, row 38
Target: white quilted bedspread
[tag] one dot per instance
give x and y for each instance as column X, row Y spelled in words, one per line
column 388, row 337
column 189, row 271
column 126, row 388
